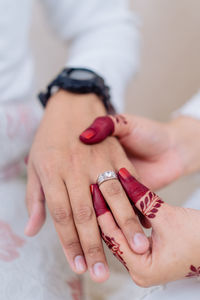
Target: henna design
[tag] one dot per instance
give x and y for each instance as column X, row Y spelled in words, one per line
column 194, row 272
column 150, row 205
column 119, row 118
column 114, row 247
column 145, row 200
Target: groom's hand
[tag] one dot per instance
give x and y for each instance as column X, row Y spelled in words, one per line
column 62, row 168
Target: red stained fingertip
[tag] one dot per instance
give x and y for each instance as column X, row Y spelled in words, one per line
column 134, row 189
column 101, row 128
column 99, row 203
column 124, row 173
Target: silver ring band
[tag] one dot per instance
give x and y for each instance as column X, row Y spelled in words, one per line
column 108, row 175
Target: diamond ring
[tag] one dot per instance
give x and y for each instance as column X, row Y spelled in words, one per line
column 108, row 175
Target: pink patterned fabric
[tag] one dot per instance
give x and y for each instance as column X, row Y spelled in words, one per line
column 9, row 243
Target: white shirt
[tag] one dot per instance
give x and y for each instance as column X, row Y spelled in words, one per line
column 102, row 36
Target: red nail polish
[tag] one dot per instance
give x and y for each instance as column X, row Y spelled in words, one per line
column 124, row 173
column 100, row 205
column 88, row 133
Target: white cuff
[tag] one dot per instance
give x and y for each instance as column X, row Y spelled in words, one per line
column 190, row 108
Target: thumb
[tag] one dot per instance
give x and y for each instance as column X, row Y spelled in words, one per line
column 102, row 127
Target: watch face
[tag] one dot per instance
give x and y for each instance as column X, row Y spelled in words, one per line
column 81, row 75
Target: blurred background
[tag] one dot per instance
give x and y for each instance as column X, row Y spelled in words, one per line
column 170, row 66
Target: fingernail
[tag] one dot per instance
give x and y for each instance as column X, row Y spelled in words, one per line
column 80, row 263
column 88, row 133
column 99, row 270
column 124, row 173
column 92, row 188
column 140, row 243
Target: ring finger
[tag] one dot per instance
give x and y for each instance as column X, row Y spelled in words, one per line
column 124, row 215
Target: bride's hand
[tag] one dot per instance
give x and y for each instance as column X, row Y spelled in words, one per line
column 174, row 241
column 160, row 152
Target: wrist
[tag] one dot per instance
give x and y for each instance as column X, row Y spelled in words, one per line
column 77, row 110
column 185, row 133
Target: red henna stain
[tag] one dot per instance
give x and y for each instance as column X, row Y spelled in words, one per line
column 134, row 189
column 115, row 248
column 117, row 119
column 123, row 119
column 102, row 127
column 150, row 205
column 149, row 202
column 76, row 287
column 194, row 272
column 100, row 205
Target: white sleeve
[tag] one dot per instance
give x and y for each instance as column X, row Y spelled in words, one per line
column 103, row 37
column 190, row 108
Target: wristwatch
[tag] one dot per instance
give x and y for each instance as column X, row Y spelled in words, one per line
column 79, row 81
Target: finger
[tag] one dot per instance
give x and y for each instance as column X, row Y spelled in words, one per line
column 124, row 215
column 148, row 203
column 35, row 202
column 102, row 127
column 60, row 209
column 98, row 131
column 87, row 228
column 110, row 232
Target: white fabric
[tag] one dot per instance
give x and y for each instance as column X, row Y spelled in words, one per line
column 190, row 108
column 102, row 36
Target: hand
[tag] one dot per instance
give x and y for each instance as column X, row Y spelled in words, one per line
column 63, row 168
column 160, row 152
column 174, row 242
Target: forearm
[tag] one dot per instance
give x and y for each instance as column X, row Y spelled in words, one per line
column 185, row 133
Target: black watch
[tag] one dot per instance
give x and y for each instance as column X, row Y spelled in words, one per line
column 79, row 81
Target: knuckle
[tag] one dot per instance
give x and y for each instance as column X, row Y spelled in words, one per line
column 47, row 169
column 83, row 214
column 130, row 222
column 94, row 251
column 50, row 164
column 61, row 216
column 72, row 246
column 113, row 188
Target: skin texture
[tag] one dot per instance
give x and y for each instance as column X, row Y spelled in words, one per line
column 169, row 257
column 60, row 171
column 160, row 152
